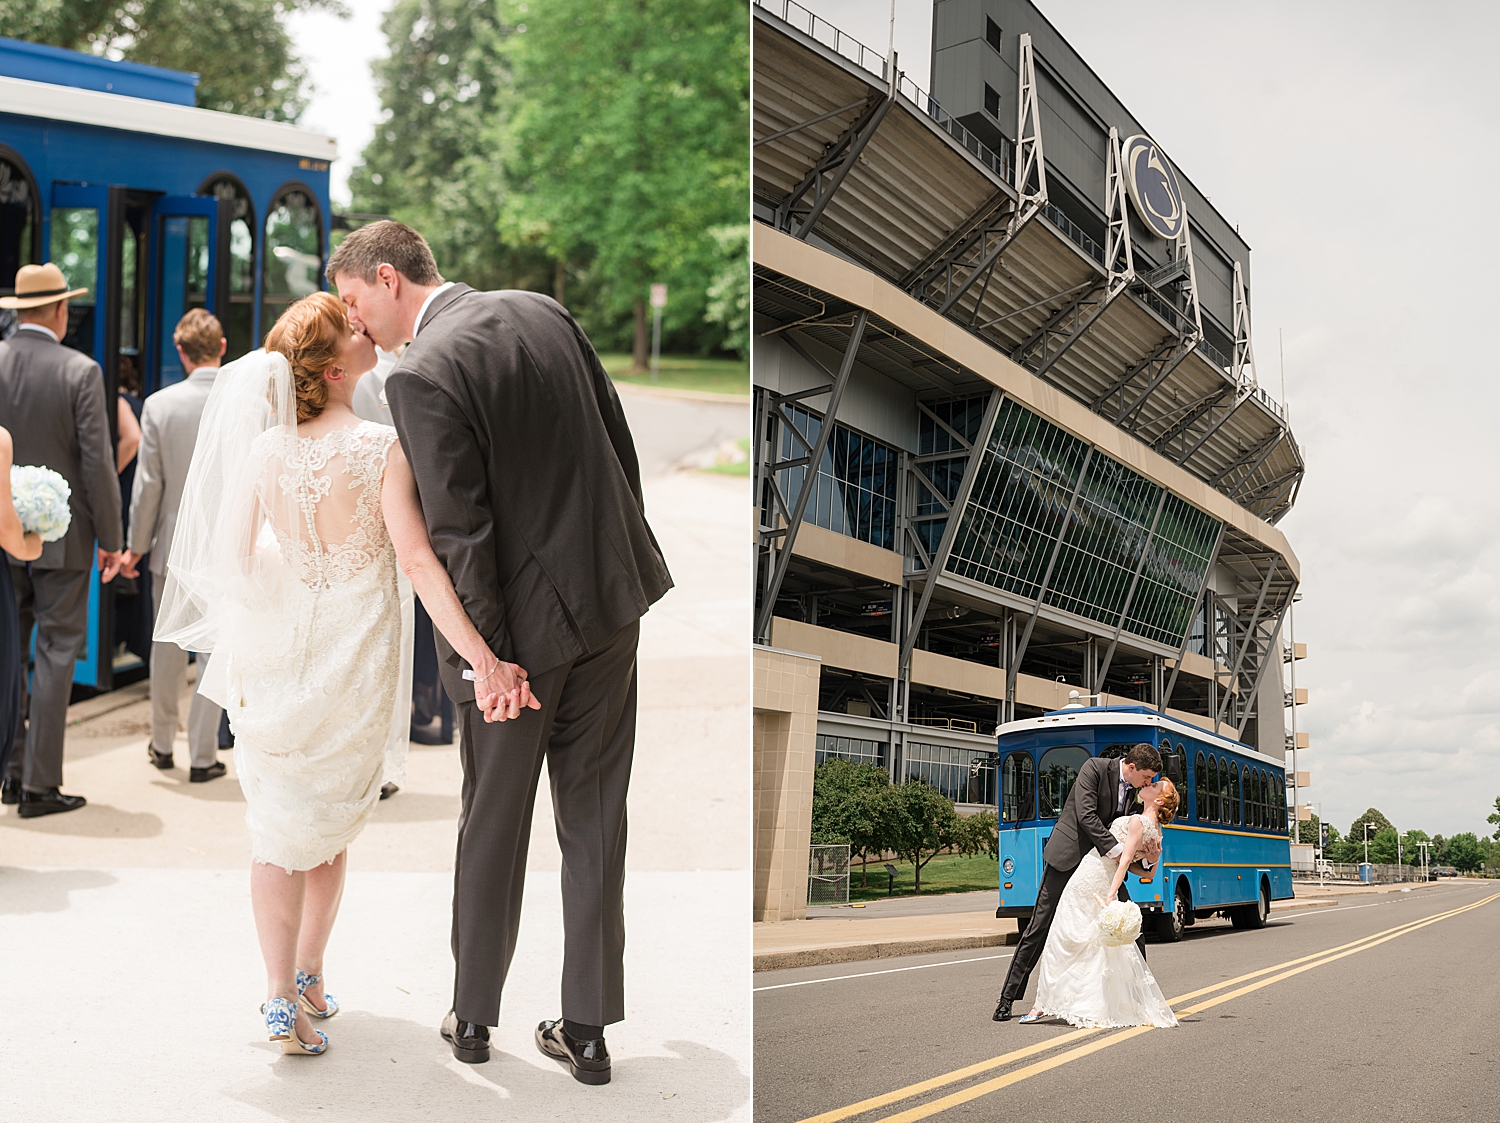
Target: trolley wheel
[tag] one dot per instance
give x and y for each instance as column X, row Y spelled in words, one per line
column 1171, row 925
column 1253, row 916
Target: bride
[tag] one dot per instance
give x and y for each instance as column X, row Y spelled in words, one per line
column 1081, row 979
column 297, row 521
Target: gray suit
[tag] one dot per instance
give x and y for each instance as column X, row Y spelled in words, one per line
column 52, row 401
column 531, row 490
column 169, row 432
column 1092, row 805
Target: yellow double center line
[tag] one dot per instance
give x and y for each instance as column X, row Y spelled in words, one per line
column 1265, row 976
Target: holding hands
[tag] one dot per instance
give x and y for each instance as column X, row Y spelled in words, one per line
column 502, row 692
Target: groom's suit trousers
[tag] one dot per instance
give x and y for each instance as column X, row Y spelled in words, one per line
column 585, row 731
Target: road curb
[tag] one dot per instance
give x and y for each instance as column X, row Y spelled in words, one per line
column 884, row 949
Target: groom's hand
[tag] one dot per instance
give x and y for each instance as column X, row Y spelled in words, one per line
column 504, row 693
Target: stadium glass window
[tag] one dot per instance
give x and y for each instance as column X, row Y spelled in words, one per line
column 1022, row 492
column 1017, row 788
column 1056, row 774
column 936, row 482
column 991, row 101
column 1200, row 788
column 950, row 770
column 1235, row 820
column 992, row 33
column 239, row 327
column 20, row 227
column 853, row 749
column 1226, row 807
column 292, row 260
column 854, row 491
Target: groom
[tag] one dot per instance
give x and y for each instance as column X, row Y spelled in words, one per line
column 1105, row 789
column 531, row 490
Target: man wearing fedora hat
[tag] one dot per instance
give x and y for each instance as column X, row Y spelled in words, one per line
column 52, row 399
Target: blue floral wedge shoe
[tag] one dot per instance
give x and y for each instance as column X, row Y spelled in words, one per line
column 281, row 1027
column 331, row 1004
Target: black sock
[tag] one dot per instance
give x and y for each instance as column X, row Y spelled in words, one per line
column 580, row 1032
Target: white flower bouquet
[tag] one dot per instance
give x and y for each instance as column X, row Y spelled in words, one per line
column 1120, row 923
column 41, row 498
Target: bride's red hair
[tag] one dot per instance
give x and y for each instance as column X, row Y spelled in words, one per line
column 311, row 333
column 1170, row 801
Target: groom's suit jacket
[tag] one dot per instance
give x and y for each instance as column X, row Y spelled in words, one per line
column 527, row 475
column 1085, row 818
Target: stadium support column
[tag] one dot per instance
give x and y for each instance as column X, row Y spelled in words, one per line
column 839, row 160
column 1187, row 634
column 1073, row 320
column 1265, row 661
column 1135, row 578
column 1244, row 646
column 783, row 558
column 1030, row 183
column 945, row 544
column 1041, row 593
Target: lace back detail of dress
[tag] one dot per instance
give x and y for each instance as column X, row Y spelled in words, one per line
column 1121, row 827
column 333, row 482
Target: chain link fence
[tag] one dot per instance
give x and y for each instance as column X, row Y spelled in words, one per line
column 828, row 875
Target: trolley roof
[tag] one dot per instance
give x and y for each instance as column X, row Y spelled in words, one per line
column 1131, row 715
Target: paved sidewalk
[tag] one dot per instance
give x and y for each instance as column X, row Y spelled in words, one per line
column 944, row 922
column 133, row 972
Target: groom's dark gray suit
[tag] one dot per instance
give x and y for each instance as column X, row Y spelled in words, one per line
column 1092, row 805
column 531, row 491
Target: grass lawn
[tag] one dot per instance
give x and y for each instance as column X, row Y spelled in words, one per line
column 947, row 873
column 686, row 372
column 740, row 467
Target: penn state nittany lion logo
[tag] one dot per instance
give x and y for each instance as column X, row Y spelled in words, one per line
column 1153, row 187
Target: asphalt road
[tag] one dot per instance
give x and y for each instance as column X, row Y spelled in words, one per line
column 1347, row 1014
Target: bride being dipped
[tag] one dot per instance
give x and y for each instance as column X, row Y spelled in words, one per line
column 1082, row 978
column 296, row 523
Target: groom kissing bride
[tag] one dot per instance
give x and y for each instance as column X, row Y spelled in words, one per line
column 512, row 502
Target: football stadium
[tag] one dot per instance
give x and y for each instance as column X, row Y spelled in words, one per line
column 1010, row 444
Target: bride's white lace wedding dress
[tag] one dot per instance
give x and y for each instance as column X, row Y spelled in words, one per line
column 1079, row 977
column 314, row 689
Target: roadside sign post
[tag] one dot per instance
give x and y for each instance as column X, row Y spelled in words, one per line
column 658, row 302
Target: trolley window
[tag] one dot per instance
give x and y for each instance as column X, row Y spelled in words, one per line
column 1236, row 818
column 1057, row 773
column 1200, row 786
column 292, row 262
column 1213, row 788
column 1018, row 788
column 1226, row 808
column 20, row 223
column 239, row 326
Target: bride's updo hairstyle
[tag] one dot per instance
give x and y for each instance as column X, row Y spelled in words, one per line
column 1170, row 801
column 311, row 333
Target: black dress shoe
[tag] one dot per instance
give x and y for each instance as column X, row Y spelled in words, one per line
column 161, row 760
column 388, row 790
column 203, row 775
column 1002, row 1011
column 589, row 1060
column 471, row 1043
column 10, row 792
column 49, row 802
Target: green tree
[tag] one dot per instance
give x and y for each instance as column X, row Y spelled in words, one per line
column 1464, row 853
column 922, row 824
column 1411, row 852
column 1383, row 847
column 1439, row 850
column 1307, row 830
column 435, row 159
column 729, row 294
column 851, row 807
column 1378, row 823
column 240, row 49
column 979, row 834
column 1494, row 819
column 628, row 147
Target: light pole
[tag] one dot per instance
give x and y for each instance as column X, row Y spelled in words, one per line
column 1367, row 844
column 1424, row 846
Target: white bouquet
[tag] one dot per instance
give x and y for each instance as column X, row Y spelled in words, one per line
column 41, row 499
column 1120, row 923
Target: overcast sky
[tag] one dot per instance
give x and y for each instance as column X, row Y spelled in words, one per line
column 1356, row 146
column 343, row 105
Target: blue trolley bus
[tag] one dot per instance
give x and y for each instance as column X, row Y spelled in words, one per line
column 1227, row 853
column 108, row 169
